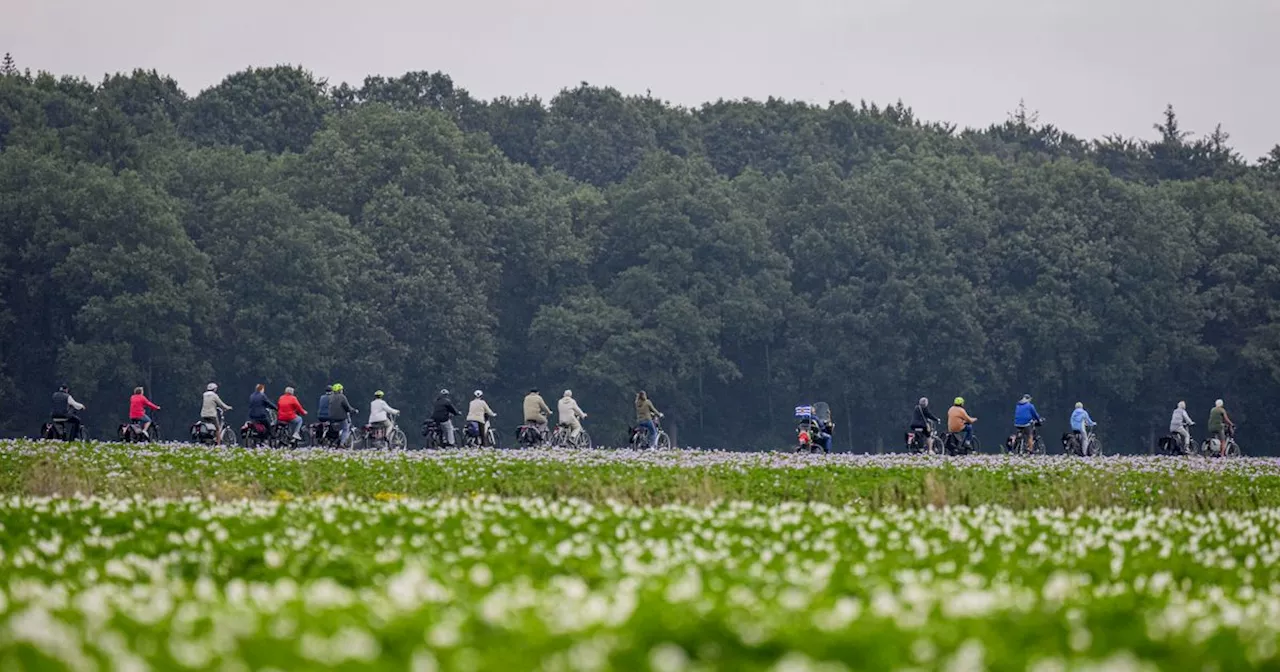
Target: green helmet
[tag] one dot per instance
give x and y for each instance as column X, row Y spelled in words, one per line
column 337, row 387
column 959, row 401
column 378, row 394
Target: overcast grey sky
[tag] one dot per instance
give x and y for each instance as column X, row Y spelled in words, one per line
column 1092, row 67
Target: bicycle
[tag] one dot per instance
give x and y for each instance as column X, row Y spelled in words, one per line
column 1211, row 447
column 57, row 430
column 393, row 437
column 563, row 437
column 927, row 442
column 641, row 440
column 209, row 433
column 488, row 436
column 953, row 444
column 1017, row 444
column 132, row 432
column 1071, row 444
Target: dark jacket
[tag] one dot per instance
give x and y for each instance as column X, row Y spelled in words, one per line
column 444, row 409
column 258, row 405
column 920, row 415
column 61, row 405
column 322, row 408
column 339, row 407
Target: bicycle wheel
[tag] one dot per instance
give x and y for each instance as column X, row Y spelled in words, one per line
column 664, row 441
column 398, row 439
column 494, row 438
column 228, row 436
column 1038, row 447
column 558, row 437
column 583, row 442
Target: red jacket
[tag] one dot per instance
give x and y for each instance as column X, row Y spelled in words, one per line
column 138, row 405
column 290, row 408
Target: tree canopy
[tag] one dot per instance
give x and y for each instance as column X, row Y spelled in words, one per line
column 733, row 260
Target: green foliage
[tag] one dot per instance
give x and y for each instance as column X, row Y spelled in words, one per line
column 733, row 259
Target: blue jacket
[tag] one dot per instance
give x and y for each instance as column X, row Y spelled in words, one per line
column 323, row 406
column 1080, row 418
column 258, row 405
column 1025, row 414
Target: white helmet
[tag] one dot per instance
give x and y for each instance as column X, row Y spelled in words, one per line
column 1182, row 404
column 568, row 393
column 1218, row 403
column 479, row 394
column 212, row 387
column 444, row 392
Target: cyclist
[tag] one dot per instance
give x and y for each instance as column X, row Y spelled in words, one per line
column 1219, row 423
column 646, row 413
column 570, row 414
column 210, row 404
column 340, row 410
column 138, row 405
column 63, row 406
column 322, row 407
column 1024, row 417
column 1178, row 425
column 479, row 413
column 536, row 412
column 443, row 413
column 380, row 413
column 920, row 417
column 1080, row 424
column 291, row 411
column 958, row 420
column 258, row 405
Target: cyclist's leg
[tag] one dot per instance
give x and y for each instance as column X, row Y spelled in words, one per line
column 1027, row 438
column 968, row 433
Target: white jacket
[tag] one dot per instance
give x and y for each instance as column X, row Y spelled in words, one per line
column 211, row 403
column 1179, row 420
column 569, row 410
column 479, row 411
column 379, row 410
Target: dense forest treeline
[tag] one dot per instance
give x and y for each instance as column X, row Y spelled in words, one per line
column 734, row 259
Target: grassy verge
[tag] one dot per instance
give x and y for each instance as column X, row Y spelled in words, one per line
column 36, row 468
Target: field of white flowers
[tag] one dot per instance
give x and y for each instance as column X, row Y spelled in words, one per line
column 492, row 583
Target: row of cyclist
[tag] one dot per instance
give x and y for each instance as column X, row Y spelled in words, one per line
column 281, row 422
column 1081, row 440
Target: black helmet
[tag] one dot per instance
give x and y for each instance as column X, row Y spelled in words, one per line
column 64, row 387
column 328, row 388
column 533, row 390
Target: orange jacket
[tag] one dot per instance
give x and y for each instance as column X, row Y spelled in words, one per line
column 957, row 418
column 290, row 408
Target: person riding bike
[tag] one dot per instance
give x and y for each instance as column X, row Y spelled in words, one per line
column 340, row 410
column 258, row 405
column 958, row 420
column 138, row 405
column 1080, row 424
column 920, row 418
column 646, row 413
column 1178, row 425
column 536, row 412
column 291, row 412
column 442, row 413
column 570, row 414
column 479, row 413
column 380, row 413
column 1219, row 422
column 63, row 409
column 210, row 404
column 322, row 407
column 1024, row 418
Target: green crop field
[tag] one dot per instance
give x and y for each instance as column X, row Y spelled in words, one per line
column 175, row 557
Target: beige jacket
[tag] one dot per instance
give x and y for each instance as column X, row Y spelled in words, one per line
column 535, row 409
column 479, row 411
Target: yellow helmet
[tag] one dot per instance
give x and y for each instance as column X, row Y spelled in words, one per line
column 959, row 401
